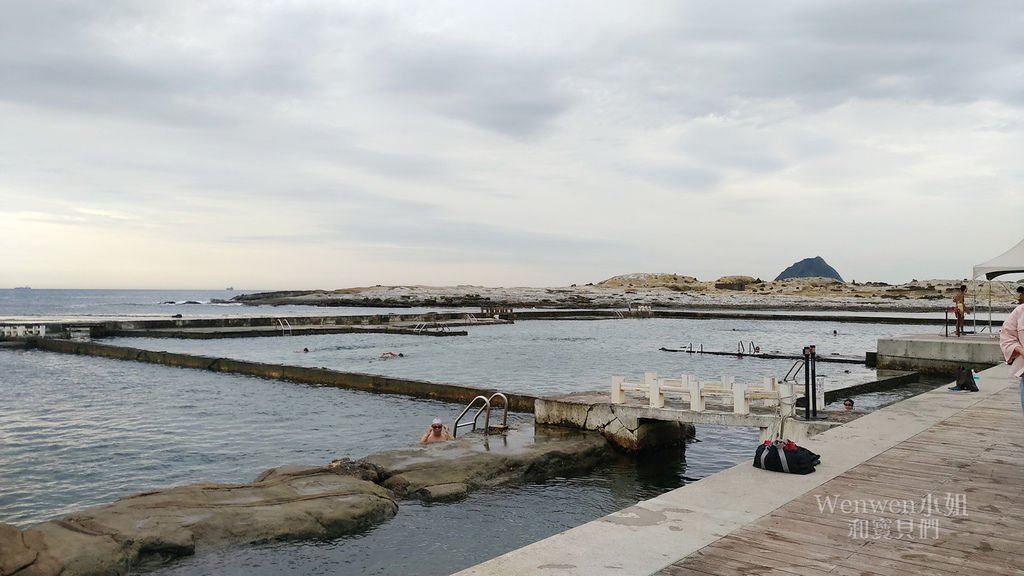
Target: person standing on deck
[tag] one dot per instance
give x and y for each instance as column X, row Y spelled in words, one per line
column 960, row 309
column 1011, row 342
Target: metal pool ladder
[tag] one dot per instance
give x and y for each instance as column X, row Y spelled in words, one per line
column 794, row 371
column 485, row 409
column 285, row 326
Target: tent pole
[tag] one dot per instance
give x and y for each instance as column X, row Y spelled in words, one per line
column 974, row 306
column 989, row 306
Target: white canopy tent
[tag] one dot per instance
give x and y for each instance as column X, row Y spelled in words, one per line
column 1006, row 263
column 1009, row 262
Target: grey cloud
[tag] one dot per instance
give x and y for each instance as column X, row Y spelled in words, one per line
column 705, row 57
column 470, row 240
column 330, row 147
column 514, row 94
column 709, row 57
column 676, row 178
column 142, row 60
column 132, row 58
column 411, row 230
column 728, row 147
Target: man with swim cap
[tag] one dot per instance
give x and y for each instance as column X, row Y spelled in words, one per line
column 437, row 432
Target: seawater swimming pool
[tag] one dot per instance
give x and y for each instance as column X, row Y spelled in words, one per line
column 81, row 431
column 554, row 356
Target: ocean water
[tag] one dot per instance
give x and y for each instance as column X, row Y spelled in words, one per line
column 18, row 304
column 80, row 431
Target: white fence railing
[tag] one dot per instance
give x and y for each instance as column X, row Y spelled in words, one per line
column 21, row 331
column 769, row 390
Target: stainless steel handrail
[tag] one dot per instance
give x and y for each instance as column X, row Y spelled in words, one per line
column 742, row 348
column 793, row 371
column 504, row 415
column 485, row 409
column 486, row 406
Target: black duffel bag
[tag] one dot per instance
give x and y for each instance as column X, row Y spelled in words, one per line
column 785, row 456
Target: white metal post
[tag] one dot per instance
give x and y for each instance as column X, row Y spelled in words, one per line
column 657, row 398
column 618, row 396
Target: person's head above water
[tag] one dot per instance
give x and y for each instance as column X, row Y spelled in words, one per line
column 436, row 433
column 848, row 403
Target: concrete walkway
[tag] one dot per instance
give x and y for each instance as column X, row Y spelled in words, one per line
column 938, row 353
column 922, row 439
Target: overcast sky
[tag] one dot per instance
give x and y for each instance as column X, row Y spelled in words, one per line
column 177, row 144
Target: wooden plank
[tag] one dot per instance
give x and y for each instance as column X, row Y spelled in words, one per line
column 975, row 455
column 932, row 558
column 674, row 570
column 725, row 566
column 819, row 556
column 768, row 554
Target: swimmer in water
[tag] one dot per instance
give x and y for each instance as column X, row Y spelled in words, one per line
column 437, row 432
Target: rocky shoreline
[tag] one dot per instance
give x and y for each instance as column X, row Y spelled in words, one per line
column 288, row 502
column 662, row 291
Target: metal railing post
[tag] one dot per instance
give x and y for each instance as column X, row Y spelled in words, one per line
column 814, row 384
column 807, row 383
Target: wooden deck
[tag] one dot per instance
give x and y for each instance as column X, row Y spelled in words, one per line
column 951, row 499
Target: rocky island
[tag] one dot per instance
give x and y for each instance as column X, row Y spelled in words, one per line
column 660, row 290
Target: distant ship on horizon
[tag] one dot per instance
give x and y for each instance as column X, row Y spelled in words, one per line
column 230, row 288
column 22, row 287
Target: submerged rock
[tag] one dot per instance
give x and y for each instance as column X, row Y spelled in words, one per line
column 450, row 470
column 288, row 502
column 283, row 503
